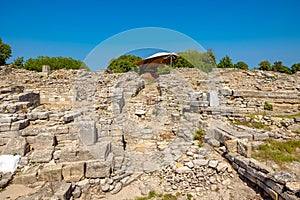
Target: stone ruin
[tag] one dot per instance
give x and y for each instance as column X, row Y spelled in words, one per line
column 91, row 135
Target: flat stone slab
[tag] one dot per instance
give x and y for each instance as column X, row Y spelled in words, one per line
column 97, row 169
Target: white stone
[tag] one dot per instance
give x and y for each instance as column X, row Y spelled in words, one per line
column 9, row 163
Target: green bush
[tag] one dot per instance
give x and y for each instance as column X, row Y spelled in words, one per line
column 55, row 63
column 123, row 63
column 295, row 68
column 18, row 62
column 278, row 67
column 241, row 65
column 268, row 106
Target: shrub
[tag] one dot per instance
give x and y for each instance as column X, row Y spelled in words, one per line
column 18, row 62
column 198, row 135
column 268, row 106
column 123, row 63
column 55, row 63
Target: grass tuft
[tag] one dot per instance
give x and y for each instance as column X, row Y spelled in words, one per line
column 288, row 116
column 296, row 131
column 278, row 151
column 257, row 125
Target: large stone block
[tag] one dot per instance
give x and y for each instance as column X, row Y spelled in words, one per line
column 16, row 145
column 27, row 177
column 260, row 136
column 97, row 169
column 40, row 115
column 18, row 125
column 44, row 141
column 213, row 98
column 33, row 98
column 231, row 145
column 4, row 127
column 244, row 148
column 71, row 116
column 50, row 173
column 63, row 191
column 73, row 172
column 87, row 132
column 260, row 166
column 222, row 136
column 7, row 118
column 241, row 161
column 42, row 155
column 268, row 190
column 199, row 103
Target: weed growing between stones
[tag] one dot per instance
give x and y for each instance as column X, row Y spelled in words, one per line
column 199, row 136
column 288, row 116
column 152, row 194
column 268, row 106
column 257, row 125
column 296, row 131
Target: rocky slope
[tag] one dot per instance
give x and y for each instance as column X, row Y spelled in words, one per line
column 91, row 135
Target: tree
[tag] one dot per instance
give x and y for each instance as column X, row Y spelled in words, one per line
column 18, row 62
column 123, row 63
column 241, row 65
column 5, row 52
column 225, row 62
column 212, row 55
column 55, row 63
column 265, row 65
column 295, row 68
column 181, row 62
column 278, row 67
column 195, row 59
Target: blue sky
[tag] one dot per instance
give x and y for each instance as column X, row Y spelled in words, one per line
column 250, row 30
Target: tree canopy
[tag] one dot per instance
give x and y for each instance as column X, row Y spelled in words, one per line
column 225, row 62
column 265, row 65
column 5, row 52
column 278, row 67
column 55, row 63
column 295, row 68
column 241, row 65
column 123, row 63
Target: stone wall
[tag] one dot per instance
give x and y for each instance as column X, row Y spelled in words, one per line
column 278, row 185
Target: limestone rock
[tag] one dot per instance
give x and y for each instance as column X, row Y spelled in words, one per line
column 76, row 192
column 213, row 164
column 200, row 162
column 183, row 169
column 50, row 173
column 16, row 145
column 97, row 169
column 63, row 191
column 42, row 156
column 18, row 125
column 73, row 172
column 118, row 188
column 87, row 132
column 244, row 148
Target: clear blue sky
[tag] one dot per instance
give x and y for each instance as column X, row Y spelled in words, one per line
column 249, row 30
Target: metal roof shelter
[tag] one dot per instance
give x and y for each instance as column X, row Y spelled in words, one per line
column 159, row 58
